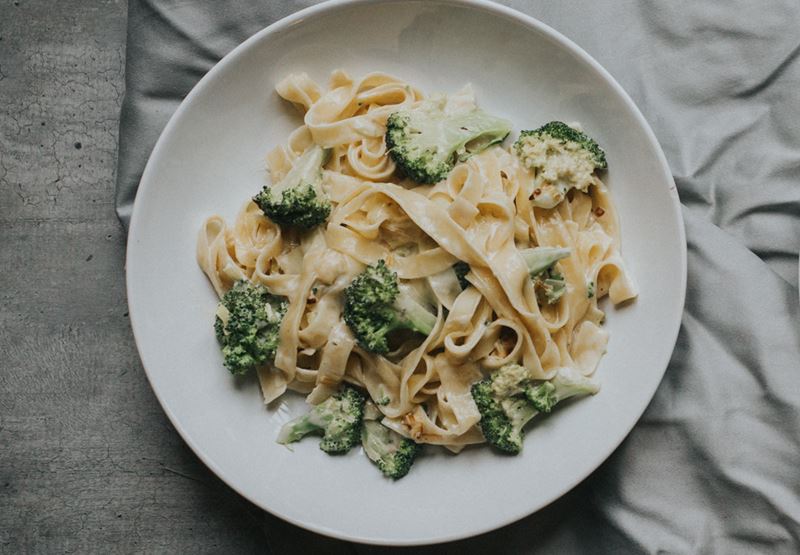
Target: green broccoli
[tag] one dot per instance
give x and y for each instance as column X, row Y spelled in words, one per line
column 549, row 287
column 338, row 419
column 504, row 408
column 247, row 325
column 426, row 142
column 568, row 382
column 509, row 399
column 590, row 290
column 393, row 453
column 461, row 269
column 548, row 283
column 297, row 200
column 561, row 158
column 375, row 305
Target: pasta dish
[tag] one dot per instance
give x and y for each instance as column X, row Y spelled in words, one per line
column 418, row 275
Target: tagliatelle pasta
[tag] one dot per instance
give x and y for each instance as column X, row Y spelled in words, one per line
column 481, row 214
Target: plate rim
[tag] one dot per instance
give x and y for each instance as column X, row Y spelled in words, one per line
column 331, row 6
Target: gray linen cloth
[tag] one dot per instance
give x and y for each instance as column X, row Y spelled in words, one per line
column 714, row 464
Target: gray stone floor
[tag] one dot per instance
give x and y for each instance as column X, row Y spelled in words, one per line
column 88, row 461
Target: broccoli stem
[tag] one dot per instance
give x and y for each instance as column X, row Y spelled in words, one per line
column 300, row 427
column 412, row 315
column 307, row 168
column 568, row 382
column 540, row 259
column 520, row 411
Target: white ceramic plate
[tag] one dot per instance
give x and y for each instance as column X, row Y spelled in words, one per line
column 210, row 158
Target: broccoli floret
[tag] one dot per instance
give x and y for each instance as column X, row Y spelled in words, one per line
column 568, row 382
column 549, row 286
column 247, row 326
column 539, row 259
column 374, row 306
column 509, row 399
column 561, row 158
column 548, row 283
column 461, row 269
column 565, row 134
column 426, row 142
column 504, row 408
column 338, row 419
column 590, row 290
column 297, row 200
column 393, row 453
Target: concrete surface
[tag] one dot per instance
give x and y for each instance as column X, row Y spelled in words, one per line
column 88, row 461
